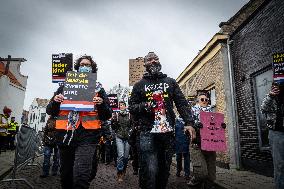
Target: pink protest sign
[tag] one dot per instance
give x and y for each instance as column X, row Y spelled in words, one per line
column 212, row 134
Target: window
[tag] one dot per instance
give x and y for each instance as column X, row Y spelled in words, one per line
column 42, row 117
column 262, row 81
column 212, row 95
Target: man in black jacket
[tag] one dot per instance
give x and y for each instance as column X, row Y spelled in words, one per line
column 151, row 102
column 78, row 147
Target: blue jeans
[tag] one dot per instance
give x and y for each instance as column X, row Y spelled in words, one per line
column 185, row 161
column 155, row 157
column 122, row 154
column 276, row 140
column 47, row 151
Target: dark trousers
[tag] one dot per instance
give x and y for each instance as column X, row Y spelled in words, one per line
column 108, row 151
column 186, row 162
column 156, row 151
column 135, row 161
column 11, row 140
column 76, row 165
column 276, row 140
column 114, row 151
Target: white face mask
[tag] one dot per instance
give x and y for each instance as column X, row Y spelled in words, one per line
column 85, row 69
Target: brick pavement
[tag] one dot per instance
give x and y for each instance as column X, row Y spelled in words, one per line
column 106, row 179
column 7, row 161
column 234, row 179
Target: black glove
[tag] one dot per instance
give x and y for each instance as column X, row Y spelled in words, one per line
column 223, row 125
column 148, row 108
column 199, row 125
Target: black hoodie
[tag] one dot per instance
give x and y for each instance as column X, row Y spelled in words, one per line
column 142, row 93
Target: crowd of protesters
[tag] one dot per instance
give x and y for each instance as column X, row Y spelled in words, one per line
column 148, row 132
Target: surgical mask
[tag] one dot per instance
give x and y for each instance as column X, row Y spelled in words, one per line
column 153, row 68
column 85, row 69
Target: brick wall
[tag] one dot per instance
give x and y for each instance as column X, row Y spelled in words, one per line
column 252, row 49
column 211, row 74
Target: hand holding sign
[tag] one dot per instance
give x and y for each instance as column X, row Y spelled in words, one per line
column 274, row 90
column 191, row 131
column 58, row 98
column 97, row 100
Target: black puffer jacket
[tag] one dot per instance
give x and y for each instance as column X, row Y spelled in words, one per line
column 81, row 134
column 141, row 95
column 49, row 133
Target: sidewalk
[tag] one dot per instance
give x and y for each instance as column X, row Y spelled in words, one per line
column 233, row 179
column 7, row 162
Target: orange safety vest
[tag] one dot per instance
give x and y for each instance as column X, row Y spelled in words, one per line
column 89, row 120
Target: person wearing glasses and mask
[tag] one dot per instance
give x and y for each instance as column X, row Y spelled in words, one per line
column 203, row 162
column 77, row 148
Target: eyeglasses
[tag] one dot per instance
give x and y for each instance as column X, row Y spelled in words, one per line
column 204, row 99
column 150, row 59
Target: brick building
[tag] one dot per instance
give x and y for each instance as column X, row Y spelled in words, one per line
column 235, row 67
column 252, row 45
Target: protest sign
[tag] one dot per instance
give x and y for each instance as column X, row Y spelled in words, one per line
column 79, row 90
column 278, row 67
column 212, row 134
column 113, row 102
column 61, row 64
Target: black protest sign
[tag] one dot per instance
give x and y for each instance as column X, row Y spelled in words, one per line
column 61, row 64
column 113, row 99
column 278, row 67
column 79, row 91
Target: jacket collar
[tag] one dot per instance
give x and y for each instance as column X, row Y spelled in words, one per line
column 156, row 76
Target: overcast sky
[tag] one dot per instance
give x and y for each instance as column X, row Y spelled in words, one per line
column 112, row 31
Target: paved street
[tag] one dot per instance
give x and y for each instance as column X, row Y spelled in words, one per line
column 106, row 179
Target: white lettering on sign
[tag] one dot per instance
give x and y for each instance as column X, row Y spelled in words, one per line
column 70, row 93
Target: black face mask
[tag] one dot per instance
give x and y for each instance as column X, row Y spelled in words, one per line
column 153, row 68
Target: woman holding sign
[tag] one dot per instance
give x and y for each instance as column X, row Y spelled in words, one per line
column 204, row 162
column 78, row 132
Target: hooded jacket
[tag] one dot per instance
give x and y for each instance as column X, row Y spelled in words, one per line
column 142, row 94
column 274, row 113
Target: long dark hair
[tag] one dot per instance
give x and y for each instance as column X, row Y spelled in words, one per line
column 93, row 63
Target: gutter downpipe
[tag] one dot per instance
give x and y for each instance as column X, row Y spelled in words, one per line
column 236, row 135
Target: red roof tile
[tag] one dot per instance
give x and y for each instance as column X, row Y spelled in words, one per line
column 13, row 79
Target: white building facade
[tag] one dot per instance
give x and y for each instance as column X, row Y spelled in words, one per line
column 37, row 117
column 12, row 87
